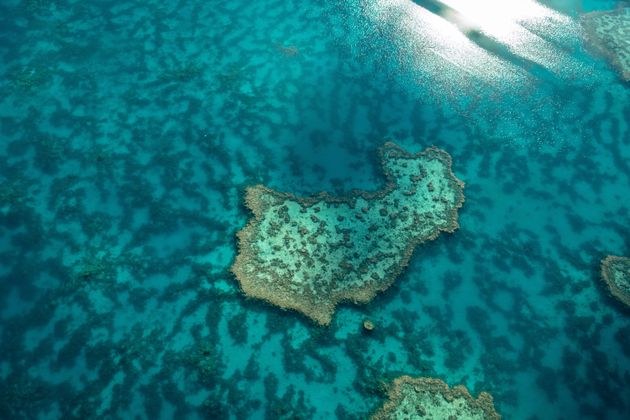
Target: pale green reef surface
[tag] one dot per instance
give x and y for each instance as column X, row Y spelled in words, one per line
column 308, row 254
column 616, row 275
column 430, row 398
column 609, row 34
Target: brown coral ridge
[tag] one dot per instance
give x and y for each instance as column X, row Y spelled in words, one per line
column 616, row 275
column 606, row 33
column 309, row 254
column 432, row 398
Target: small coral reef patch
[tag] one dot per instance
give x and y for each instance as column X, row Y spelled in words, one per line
column 430, row 398
column 616, row 275
column 608, row 33
column 309, row 254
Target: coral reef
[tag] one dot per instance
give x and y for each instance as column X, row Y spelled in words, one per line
column 184, row 72
column 288, row 50
column 432, row 399
column 607, row 33
column 309, row 254
column 616, row 275
column 30, row 77
column 129, row 130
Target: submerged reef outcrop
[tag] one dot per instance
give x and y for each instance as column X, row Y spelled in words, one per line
column 608, row 33
column 616, row 275
column 309, row 254
column 431, row 398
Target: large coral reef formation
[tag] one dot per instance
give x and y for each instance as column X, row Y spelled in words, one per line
column 616, row 275
column 309, row 254
column 608, row 33
column 430, row 398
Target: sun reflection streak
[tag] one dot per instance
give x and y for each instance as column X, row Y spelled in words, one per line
column 508, row 21
column 495, row 65
column 499, row 17
column 435, row 46
column 487, row 39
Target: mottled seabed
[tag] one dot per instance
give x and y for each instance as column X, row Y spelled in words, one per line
column 130, row 130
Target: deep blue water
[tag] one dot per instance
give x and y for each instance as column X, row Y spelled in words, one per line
column 129, row 130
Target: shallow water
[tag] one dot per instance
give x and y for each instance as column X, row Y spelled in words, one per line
column 130, row 130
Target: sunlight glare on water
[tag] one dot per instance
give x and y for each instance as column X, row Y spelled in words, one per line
column 430, row 45
column 489, row 40
column 521, row 25
column 502, row 18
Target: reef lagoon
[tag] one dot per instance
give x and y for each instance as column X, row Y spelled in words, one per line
column 431, row 199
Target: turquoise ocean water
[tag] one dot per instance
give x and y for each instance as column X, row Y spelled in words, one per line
column 129, row 130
